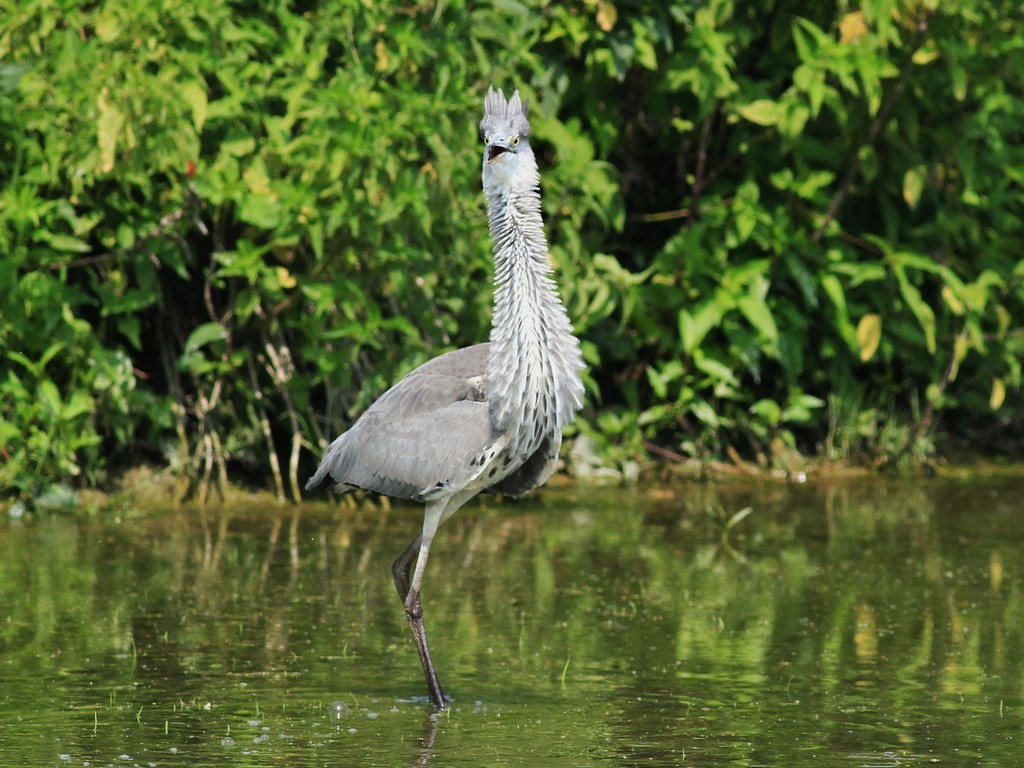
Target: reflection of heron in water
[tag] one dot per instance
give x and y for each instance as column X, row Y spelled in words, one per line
column 484, row 418
column 426, row 749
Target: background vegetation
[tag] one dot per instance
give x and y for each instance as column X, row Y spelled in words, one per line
column 782, row 229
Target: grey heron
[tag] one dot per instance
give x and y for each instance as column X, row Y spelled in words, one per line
column 487, row 417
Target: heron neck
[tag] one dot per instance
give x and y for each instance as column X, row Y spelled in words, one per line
column 534, row 364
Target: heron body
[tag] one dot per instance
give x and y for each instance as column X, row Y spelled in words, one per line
column 484, row 418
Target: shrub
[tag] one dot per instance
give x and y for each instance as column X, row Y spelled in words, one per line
column 228, row 227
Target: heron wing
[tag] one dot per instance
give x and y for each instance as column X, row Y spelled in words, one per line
column 420, row 436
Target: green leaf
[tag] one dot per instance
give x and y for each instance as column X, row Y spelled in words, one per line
column 862, row 273
column 768, row 411
column 704, row 413
column 759, row 315
column 958, row 76
column 108, row 130
column 63, row 242
column 834, row 290
column 9, row 432
column 718, row 371
column 953, row 301
column 995, row 400
column 799, row 409
column 261, row 211
column 50, row 397
column 194, row 94
column 924, row 314
column 51, row 352
column 762, row 112
column 814, row 46
column 869, row 335
column 808, row 186
column 693, row 328
column 739, row 276
column 237, row 144
column 24, row 360
column 913, row 184
column 203, row 335
column 78, row 403
column 961, row 346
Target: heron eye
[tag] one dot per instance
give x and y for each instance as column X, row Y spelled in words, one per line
column 515, row 141
column 487, row 138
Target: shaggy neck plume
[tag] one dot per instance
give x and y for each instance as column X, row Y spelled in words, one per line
column 533, row 369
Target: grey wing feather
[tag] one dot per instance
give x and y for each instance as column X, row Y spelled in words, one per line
column 420, row 435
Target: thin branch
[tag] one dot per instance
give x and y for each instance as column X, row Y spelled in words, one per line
column 293, row 466
column 702, row 157
column 652, row 218
column 679, row 213
column 222, row 467
column 268, row 435
column 278, row 363
column 665, row 453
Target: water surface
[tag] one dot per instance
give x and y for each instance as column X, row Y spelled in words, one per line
column 877, row 623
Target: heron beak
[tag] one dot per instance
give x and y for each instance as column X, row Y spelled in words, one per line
column 495, row 150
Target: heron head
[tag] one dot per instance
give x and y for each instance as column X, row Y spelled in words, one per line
column 506, row 131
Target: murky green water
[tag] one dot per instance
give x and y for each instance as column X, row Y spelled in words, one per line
column 873, row 624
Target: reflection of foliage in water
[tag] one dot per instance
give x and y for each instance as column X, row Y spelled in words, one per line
column 850, row 620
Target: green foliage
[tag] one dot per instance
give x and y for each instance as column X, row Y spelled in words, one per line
column 819, row 222
column 226, row 228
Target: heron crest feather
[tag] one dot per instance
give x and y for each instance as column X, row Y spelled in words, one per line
column 500, row 115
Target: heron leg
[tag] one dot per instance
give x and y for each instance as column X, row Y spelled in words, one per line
column 401, row 569
column 411, row 599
